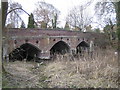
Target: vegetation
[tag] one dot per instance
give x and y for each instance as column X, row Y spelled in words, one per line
column 31, row 21
column 13, row 18
column 46, row 13
column 97, row 30
column 54, row 21
column 22, row 25
column 100, row 71
column 67, row 26
column 107, row 13
column 43, row 24
column 118, row 19
column 24, row 75
column 79, row 18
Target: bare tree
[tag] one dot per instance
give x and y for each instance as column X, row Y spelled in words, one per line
column 105, row 11
column 117, row 11
column 45, row 12
column 106, row 14
column 13, row 19
column 79, row 18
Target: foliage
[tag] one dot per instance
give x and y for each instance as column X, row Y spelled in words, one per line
column 106, row 12
column 45, row 12
column 97, row 30
column 31, row 21
column 106, row 29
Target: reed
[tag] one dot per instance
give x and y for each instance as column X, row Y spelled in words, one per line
column 98, row 71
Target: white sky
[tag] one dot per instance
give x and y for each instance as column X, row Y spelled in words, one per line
column 62, row 5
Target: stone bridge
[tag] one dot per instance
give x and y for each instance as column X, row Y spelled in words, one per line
column 45, row 42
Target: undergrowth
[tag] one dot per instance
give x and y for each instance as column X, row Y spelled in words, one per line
column 100, row 71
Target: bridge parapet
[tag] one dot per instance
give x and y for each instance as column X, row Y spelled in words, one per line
column 46, row 39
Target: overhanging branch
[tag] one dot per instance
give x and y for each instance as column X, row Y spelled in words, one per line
column 22, row 10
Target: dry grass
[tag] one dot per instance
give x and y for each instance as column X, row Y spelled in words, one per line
column 99, row 71
column 65, row 72
column 23, row 75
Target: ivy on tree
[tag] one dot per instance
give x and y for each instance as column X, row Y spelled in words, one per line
column 31, row 21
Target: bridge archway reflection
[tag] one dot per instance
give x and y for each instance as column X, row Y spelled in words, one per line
column 81, row 47
column 26, row 50
column 60, row 47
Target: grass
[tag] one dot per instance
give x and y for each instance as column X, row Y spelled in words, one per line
column 23, row 75
column 6, row 82
column 100, row 71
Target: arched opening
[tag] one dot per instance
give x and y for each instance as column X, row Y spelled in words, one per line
column 26, row 50
column 59, row 48
column 82, row 47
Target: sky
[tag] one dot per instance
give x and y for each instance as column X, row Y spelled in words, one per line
column 64, row 6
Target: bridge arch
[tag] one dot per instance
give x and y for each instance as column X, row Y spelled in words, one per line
column 82, row 46
column 26, row 50
column 60, row 47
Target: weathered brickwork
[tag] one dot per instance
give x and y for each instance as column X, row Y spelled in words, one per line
column 45, row 39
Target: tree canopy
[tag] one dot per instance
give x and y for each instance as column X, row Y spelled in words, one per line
column 45, row 12
column 13, row 18
column 79, row 18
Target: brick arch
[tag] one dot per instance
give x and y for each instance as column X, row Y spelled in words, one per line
column 31, row 44
column 81, row 42
column 60, row 47
column 25, row 50
column 65, row 41
column 82, row 47
column 21, row 42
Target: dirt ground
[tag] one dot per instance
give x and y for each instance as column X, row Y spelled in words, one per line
column 22, row 74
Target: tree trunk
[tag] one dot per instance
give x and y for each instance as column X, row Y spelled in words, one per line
column 118, row 33
column 4, row 7
column 118, row 22
column 118, row 19
column 4, row 13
